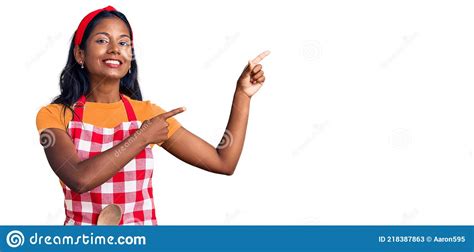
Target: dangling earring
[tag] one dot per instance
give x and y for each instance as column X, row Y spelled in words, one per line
column 82, row 65
column 130, row 70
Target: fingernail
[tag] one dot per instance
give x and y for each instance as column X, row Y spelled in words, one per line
column 184, row 108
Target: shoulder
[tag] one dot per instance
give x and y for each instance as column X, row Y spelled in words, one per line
column 53, row 116
column 49, row 110
column 145, row 109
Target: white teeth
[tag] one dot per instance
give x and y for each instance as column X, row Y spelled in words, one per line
column 113, row 62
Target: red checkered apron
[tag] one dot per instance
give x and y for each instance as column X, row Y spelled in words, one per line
column 130, row 188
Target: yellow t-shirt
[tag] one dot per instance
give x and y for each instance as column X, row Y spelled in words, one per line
column 104, row 115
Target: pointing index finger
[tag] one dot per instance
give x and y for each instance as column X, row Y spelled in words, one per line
column 260, row 57
column 173, row 112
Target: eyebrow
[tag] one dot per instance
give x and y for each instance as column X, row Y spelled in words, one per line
column 107, row 34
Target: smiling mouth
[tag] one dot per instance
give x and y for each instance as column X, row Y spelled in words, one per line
column 112, row 63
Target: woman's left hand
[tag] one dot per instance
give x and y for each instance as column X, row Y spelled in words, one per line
column 252, row 78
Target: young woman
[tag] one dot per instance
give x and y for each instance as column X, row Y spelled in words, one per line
column 98, row 132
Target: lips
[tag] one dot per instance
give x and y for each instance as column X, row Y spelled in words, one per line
column 113, row 63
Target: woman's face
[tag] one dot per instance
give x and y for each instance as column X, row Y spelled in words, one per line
column 108, row 52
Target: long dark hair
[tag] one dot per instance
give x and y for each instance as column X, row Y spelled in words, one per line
column 74, row 81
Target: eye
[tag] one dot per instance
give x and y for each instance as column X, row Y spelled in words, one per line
column 124, row 43
column 101, row 41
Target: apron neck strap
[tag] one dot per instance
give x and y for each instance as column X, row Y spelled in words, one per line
column 128, row 108
column 79, row 109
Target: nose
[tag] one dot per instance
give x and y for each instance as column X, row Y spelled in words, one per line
column 113, row 48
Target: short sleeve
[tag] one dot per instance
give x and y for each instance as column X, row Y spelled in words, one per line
column 174, row 125
column 50, row 117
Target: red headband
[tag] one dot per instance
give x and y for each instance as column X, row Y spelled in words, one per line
column 85, row 22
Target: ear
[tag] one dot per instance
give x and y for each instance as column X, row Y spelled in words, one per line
column 79, row 55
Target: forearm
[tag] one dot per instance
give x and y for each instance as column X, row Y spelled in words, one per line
column 100, row 168
column 232, row 142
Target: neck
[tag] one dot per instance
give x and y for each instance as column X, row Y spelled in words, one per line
column 104, row 91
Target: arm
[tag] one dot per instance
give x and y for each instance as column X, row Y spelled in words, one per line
column 222, row 159
column 82, row 176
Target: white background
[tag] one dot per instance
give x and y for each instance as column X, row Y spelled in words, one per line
column 366, row 116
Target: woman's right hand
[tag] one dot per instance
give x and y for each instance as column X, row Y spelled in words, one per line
column 155, row 130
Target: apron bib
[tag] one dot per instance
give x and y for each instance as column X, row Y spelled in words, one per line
column 130, row 188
